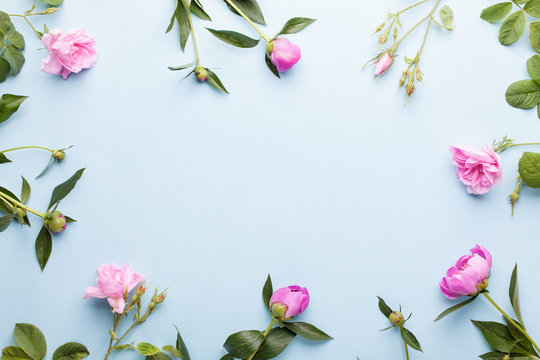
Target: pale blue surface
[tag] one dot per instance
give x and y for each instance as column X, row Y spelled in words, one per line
column 323, row 179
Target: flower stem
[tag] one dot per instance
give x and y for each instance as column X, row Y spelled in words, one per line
column 511, row 320
column 235, row 7
column 410, row 7
column 116, row 321
column 27, row 147
column 188, row 11
column 25, row 17
column 21, row 205
column 406, row 350
column 521, row 144
column 428, row 16
column 274, row 321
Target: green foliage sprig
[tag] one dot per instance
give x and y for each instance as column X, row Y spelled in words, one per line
column 31, row 345
column 392, row 25
column 397, row 320
column 12, row 42
column 152, row 352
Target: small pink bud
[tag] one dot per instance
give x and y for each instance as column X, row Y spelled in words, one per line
column 383, row 64
column 283, row 53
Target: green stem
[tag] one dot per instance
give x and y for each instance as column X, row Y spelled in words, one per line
column 410, row 7
column 27, row 147
column 21, row 205
column 188, row 11
column 521, row 144
column 263, row 35
column 116, row 321
column 29, row 23
column 274, row 321
column 511, row 320
column 137, row 322
column 428, row 16
column 406, row 350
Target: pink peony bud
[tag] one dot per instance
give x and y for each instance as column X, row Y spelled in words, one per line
column 56, row 222
column 113, row 283
column 478, row 170
column 289, row 302
column 469, row 276
column 68, row 52
column 59, row 155
column 283, row 53
column 201, row 73
column 383, row 64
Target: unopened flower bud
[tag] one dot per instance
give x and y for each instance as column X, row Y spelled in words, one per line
column 158, row 299
column 152, row 305
column 59, row 155
column 56, row 222
column 403, row 78
column 50, row 10
column 383, row 39
column 383, row 64
column 395, row 33
column 380, row 27
column 201, row 73
column 141, row 290
column 397, row 319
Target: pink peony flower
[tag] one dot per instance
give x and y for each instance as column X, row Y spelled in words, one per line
column 288, row 302
column 469, row 276
column 284, row 54
column 383, row 64
column 478, row 170
column 68, row 52
column 114, row 283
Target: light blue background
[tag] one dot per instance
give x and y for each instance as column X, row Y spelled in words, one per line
column 322, row 179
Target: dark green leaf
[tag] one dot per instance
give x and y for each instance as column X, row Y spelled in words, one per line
column 214, row 81
column 5, row 69
column 53, row 2
column 14, row 353
column 15, row 58
column 173, row 351
column 234, row 38
column 295, row 25
column 43, row 247
column 5, row 221
column 181, row 346
column 69, row 220
column 5, row 23
column 158, row 356
column 243, row 344
column 9, row 104
column 31, row 340
column 227, row 357
column 274, row 344
column 4, row 159
column 197, row 9
column 16, row 39
column 521, row 339
column 25, row 191
column 529, row 169
column 496, row 355
column 533, row 67
column 534, row 35
column 307, row 331
column 250, row 8
column 267, row 291
column 410, row 339
column 533, row 8
column 455, row 307
column 3, row 206
column 385, row 309
column 498, row 336
column 62, row 190
column 181, row 67
column 181, row 17
column 523, row 94
column 71, row 351
column 497, row 12
column 513, row 292
column 512, row 28
column 271, row 65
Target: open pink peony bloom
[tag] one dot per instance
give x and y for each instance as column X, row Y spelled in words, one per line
column 469, row 275
column 284, row 54
column 476, row 169
column 288, row 302
column 113, row 283
column 68, row 52
column 383, row 64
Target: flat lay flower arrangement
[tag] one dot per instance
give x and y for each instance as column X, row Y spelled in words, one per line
column 125, row 293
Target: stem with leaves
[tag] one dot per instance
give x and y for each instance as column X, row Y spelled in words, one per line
column 265, row 334
column 14, row 203
column 237, row 9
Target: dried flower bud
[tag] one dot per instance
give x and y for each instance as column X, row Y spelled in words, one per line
column 380, row 27
column 50, row 10
column 403, row 78
column 383, row 39
column 395, row 33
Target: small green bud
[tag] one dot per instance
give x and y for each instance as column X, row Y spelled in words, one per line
column 397, row 319
column 50, row 10
column 201, row 73
column 59, row 155
column 380, row 27
column 56, row 222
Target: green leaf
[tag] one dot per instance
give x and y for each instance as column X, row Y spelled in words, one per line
column 271, row 65
column 172, row 350
column 520, row 339
column 9, row 104
column 214, row 81
column 497, row 12
column 62, row 190
column 498, row 336
column 181, row 67
column 250, row 8
column 53, row 2
column 243, row 344
column 43, row 247
column 5, row 23
column 385, row 309
column 147, row 349
column 533, row 8
column 4, row 159
column 15, row 58
column 5, row 69
column 5, row 221
column 523, row 94
column 181, row 346
column 447, row 16
column 512, row 28
column 534, row 35
column 181, row 17
column 533, row 67
column 25, row 191
column 410, row 339
column 513, row 293
column 197, row 9
column 3, row 206
column 496, row 355
column 16, row 39
column 295, row 25
column 227, row 357
column 455, row 307
column 234, row 38
column 307, row 331
column 274, row 344
column 529, row 169
column 14, row 353
column 31, row 340
column 158, row 356
column 267, row 291
column 71, row 351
